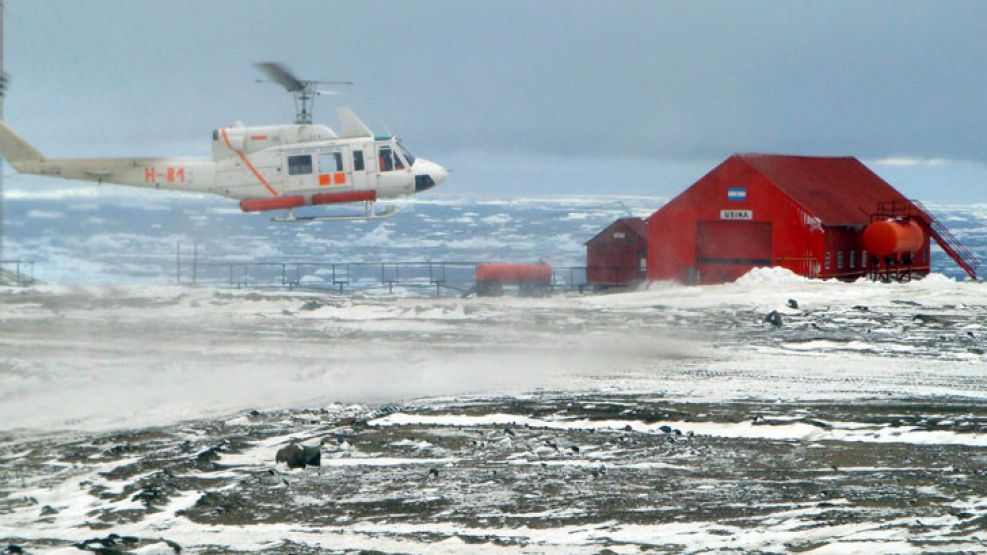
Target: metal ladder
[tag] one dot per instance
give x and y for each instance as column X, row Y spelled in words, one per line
column 966, row 259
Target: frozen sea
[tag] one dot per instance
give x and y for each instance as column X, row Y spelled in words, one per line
column 118, row 235
column 142, row 416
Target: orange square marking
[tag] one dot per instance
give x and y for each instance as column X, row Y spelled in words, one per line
column 340, row 178
column 324, row 179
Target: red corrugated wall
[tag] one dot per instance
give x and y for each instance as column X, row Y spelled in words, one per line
column 797, row 238
column 615, row 261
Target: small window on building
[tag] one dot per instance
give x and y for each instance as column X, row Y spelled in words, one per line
column 853, row 259
column 385, row 158
column 215, row 134
column 863, row 259
column 618, row 235
column 839, row 260
column 358, row 160
column 300, row 165
column 826, row 263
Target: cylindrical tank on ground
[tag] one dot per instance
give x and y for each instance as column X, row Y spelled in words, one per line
column 531, row 279
column 891, row 237
column 513, row 272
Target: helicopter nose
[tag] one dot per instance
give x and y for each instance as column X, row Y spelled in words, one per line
column 428, row 174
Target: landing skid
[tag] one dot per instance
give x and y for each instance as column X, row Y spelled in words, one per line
column 369, row 214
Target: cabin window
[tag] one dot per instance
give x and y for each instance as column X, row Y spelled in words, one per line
column 853, row 259
column 385, row 158
column 300, row 165
column 358, row 160
column 839, row 260
column 826, row 263
column 398, row 163
column 330, row 162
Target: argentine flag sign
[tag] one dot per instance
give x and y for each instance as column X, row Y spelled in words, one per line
column 737, row 193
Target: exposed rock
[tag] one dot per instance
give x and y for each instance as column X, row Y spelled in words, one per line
column 109, row 545
column 773, row 318
column 792, row 303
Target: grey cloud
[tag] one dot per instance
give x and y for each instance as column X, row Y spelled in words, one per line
column 682, row 80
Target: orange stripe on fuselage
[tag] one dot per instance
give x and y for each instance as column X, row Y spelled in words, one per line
column 250, row 166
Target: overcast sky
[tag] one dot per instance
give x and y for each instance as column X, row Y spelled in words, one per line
column 656, row 81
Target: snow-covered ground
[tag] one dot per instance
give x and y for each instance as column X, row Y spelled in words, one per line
column 96, row 357
column 672, row 417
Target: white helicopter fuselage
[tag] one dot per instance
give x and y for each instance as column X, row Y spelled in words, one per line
column 265, row 167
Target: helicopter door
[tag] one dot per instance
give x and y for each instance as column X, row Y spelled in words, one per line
column 332, row 170
column 300, row 172
column 358, row 166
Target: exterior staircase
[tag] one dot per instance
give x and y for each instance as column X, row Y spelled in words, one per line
column 950, row 244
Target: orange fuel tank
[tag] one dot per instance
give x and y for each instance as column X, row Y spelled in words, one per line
column 889, row 237
column 513, row 273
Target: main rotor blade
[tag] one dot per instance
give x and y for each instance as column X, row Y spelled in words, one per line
column 332, row 82
column 281, row 75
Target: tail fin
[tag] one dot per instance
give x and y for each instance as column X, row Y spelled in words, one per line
column 352, row 126
column 15, row 149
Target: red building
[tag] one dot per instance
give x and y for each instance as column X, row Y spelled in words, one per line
column 616, row 255
column 807, row 214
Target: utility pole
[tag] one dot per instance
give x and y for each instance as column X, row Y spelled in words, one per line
column 3, row 92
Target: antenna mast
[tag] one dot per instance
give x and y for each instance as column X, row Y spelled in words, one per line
column 3, row 91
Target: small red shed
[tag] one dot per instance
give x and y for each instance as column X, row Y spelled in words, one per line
column 807, row 214
column 617, row 255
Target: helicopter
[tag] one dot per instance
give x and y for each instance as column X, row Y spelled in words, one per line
column 266, row 168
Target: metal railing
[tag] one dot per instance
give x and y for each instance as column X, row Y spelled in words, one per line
column 433, row 277
column 949, row 243
column 17, row 272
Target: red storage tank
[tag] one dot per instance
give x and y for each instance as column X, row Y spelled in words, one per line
column 891, row 237
column 531, row 278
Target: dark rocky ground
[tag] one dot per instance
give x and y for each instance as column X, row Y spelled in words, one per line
column 852, row 423
column 500, row 484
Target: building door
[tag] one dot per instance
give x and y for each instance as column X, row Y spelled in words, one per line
column 726, row 250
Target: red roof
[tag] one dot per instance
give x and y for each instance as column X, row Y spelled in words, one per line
column 838, row 191
column 636, row 225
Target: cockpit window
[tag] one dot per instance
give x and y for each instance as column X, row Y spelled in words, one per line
column 385, row 158
column 407, row 154
column 394, row 159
